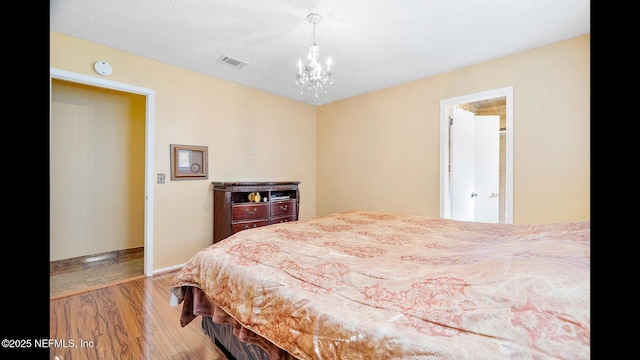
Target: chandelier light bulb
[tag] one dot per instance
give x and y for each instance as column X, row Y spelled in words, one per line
column 311, row 76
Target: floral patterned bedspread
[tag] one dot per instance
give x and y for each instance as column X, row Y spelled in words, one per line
column 372, row 285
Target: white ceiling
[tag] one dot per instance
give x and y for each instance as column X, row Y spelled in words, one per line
column 373, row 44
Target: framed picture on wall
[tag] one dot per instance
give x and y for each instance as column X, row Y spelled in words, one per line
column 189, row 162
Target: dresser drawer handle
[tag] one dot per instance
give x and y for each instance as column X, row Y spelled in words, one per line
column 251, row 212
column 284, row 207
column 247, row 226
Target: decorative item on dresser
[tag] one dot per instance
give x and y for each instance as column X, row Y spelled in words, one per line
column 235, row 207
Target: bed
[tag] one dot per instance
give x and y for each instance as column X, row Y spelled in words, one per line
column 377, row 285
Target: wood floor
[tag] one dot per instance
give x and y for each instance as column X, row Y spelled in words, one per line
column 131, row 319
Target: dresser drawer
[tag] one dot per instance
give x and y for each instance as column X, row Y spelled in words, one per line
column 244, row 225
column 283, row 219
column 282, row 208
column 250, row 211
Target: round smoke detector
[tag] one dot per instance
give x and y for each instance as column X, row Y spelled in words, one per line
column 102, row 68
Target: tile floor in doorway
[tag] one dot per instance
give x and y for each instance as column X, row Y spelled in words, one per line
column 71, row 276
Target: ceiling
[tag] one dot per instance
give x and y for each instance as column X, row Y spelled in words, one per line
column 373, row 45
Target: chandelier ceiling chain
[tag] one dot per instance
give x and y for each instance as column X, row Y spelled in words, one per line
column 311, row 76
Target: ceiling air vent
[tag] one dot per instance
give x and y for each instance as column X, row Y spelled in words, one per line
column 236, row 63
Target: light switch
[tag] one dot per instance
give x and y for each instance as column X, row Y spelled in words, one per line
column 254, row 149
column 160, row 178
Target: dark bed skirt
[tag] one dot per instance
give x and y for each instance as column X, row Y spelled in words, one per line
column 232, row 347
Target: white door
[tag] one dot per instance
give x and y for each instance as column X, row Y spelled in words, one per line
column 487, row 168
column 475, row 174
column 505, row 153
column 462, row 164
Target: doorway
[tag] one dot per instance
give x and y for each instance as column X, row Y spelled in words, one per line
column 148, row 148
column 487, row 103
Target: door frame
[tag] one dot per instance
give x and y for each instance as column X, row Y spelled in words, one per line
column 149, row 145
column 507, row 92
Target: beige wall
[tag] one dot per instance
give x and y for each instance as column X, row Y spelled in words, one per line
column 195, row 109
column 96, row 179
column 376, row 151
column 381, row 150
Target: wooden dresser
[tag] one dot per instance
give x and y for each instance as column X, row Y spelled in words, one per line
column 233, row 211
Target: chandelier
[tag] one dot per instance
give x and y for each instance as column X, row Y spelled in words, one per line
column 311, row 76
